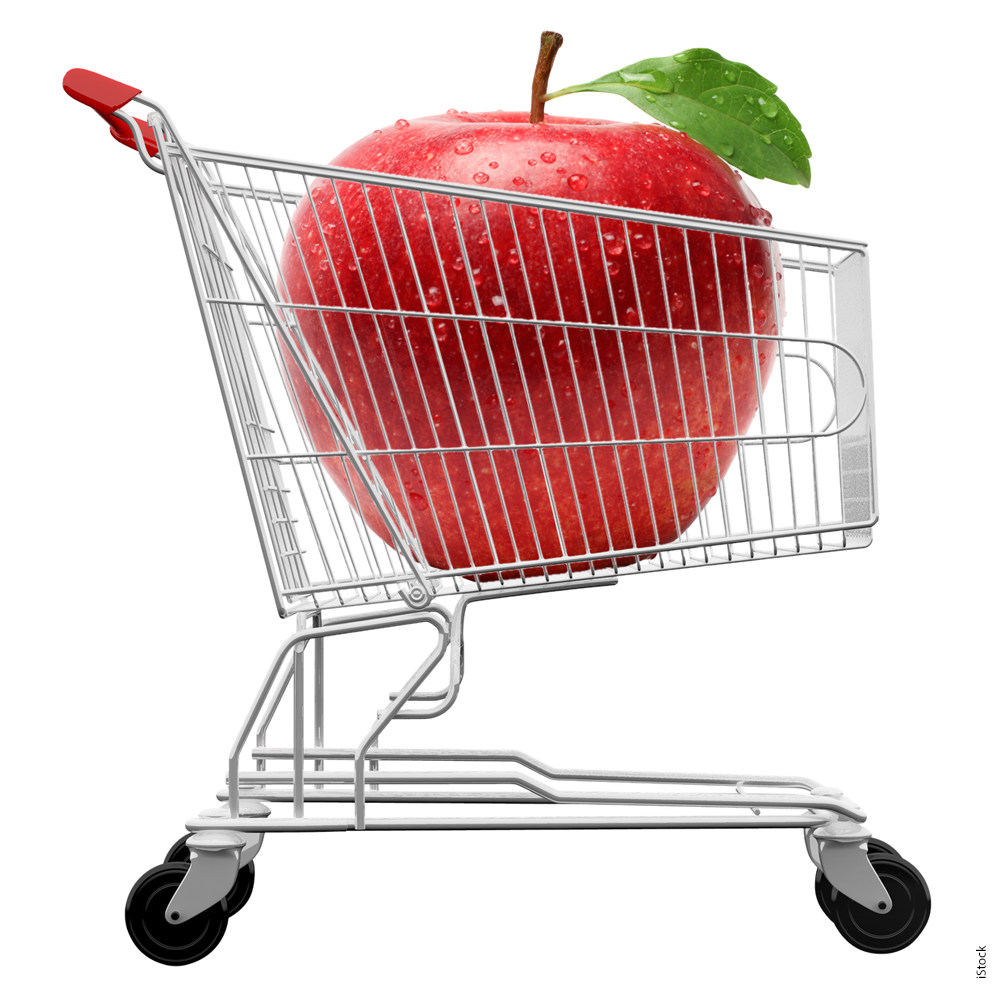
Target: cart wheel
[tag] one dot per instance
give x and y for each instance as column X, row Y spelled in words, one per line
column 180, row 852
column 164, row 942
column 825, row 894
column 881, row 847
column 900, row 927
column 238, row 896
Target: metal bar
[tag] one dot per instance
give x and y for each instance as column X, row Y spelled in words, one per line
column 319, row 692
column 713, row 800
column 679, row 547
column 298, row 727
column 513, row 197
column 555, row 773
column 804, row 821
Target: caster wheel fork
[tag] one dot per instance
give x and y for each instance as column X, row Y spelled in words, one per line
column 239, row 895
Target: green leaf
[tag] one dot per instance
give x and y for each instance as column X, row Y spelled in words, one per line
column 724, row 105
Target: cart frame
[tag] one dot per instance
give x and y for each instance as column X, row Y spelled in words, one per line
column 224, row 840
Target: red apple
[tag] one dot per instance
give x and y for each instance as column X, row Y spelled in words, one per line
column 446, row 384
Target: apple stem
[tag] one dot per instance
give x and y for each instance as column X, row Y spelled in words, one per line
column 551, row 40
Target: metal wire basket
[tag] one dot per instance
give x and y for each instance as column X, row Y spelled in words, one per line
column 527, row 432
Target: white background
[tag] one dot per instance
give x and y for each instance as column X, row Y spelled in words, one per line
column 140, row 621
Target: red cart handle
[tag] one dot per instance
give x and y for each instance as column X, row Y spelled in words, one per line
column 105, row 95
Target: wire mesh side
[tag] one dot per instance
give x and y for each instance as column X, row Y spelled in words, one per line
column 495, row 392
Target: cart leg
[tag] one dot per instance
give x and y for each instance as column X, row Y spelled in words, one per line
column 319, row 693
column 373, row 764
column 298, row 731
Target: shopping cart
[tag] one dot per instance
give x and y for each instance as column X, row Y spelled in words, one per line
column 455, row 397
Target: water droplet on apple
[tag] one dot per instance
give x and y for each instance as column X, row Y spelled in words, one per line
column 532, row 163
column 442, row 333
column 494, row 165
column 548, row 157
column 377, row 131
column 560, row 170
column 577, row 181
column 757, row 271
column 759, row 316
column 351, row 266
column 726, row 149
column 613, row 268
column 497, row 300
column 517, row 181
column 480, row 178
column 474, row 209
column 452, row 111
column 458, row 264
column 754, row 213
column 704, row 190
column 434, row 297
column 463, row 147
column 402, row 123
column 740, row 206
column 767, row 217
column 513, row 258
column 561, row 216
column 418, row 502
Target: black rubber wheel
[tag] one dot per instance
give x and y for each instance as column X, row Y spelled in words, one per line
column 239, row 895
column 825, row 894
column 154, row 935
column 883, row 933
column 881, row 847
column 180, row 852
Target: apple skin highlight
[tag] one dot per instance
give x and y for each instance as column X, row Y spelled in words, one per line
column 421, row 384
